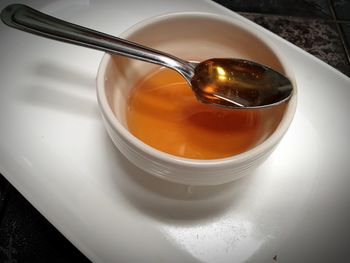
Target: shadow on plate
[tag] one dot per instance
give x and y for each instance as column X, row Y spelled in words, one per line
column 62, row 89
column 60, row 73
column 169, row 201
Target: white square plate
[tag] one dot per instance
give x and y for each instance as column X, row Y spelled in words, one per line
column 55, row 151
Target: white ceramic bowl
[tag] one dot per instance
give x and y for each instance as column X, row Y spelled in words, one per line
column 191, row 36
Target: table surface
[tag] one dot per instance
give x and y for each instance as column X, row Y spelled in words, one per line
column 321, row 27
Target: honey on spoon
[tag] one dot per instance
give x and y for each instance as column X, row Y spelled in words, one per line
column 225, row 82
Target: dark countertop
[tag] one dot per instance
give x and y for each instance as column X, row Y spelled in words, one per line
column 321, row 27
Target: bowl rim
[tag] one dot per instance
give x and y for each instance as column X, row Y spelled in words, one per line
column 257, row 150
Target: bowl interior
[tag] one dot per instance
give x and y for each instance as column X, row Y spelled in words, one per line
column 191, row 37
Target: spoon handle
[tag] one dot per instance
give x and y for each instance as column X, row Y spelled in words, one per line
column 30, row 20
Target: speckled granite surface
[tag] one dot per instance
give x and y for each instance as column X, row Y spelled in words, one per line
column 299, row 8
column 318, row 37
column 321, row 27
column 26, row 236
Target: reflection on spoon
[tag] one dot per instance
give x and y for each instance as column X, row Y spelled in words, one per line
column 239, row 83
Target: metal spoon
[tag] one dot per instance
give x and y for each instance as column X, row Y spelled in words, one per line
column 232, row 83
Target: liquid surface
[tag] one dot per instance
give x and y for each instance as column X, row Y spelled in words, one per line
column 164, row 113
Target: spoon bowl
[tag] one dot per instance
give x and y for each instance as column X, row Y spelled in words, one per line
column 239, row 83
column 225, row 82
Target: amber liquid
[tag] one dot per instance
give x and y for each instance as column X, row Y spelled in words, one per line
column 164, row 113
